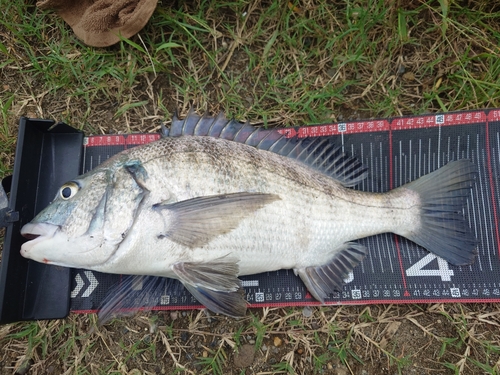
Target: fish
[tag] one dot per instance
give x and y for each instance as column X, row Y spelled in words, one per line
column 215, row 199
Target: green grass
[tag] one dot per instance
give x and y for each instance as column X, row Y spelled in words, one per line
column 272, row 64
column 214, row 361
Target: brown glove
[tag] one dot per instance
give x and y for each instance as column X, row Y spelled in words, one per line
column 99, row 22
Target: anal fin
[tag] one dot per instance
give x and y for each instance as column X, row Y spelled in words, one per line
column 232, row 304
column 214, row 284
column 321, row 281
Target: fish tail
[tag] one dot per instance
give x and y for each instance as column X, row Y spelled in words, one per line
column 442, row 228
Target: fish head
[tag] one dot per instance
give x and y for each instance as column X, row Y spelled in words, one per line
column 87, row 220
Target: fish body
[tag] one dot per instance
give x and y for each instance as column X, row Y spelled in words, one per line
column 205, row 210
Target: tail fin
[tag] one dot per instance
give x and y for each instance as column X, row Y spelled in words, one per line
column 443, row 229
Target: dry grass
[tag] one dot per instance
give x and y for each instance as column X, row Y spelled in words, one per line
column 381, row 339
column 274, row 63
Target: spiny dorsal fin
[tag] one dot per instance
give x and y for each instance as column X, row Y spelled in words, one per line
column 221, row 127
column 317, row 153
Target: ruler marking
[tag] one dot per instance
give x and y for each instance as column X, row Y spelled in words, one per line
column 383, row 169
column 476, row 194
column 420, row 157
column 391, row 183
column 372, row 168
column 451, row 154
column 492, row 185
column 400, row 164
column 410, row 166
column 439, row 146
column 428, row 155
column 488, row 217
column 371, row 257
column 380, row 256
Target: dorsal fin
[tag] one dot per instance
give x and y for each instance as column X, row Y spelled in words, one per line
column 316, row 152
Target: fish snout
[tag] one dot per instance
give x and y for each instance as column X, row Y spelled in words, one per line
column 35, row 233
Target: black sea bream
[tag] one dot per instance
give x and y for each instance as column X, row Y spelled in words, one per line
column 216, row 199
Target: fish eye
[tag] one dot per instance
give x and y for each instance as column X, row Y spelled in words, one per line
column 68, row 190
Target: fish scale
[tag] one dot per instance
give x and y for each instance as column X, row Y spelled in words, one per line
column 205, row 167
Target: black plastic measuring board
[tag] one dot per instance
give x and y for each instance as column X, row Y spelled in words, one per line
column 396, row 270
column 47, row 155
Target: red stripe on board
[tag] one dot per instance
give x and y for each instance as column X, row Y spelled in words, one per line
column 492, row 186
column 494, row 115
column 120, row 140
column 314, row 304
column 368, row 126
column 373, row 301
column 104, row 140
column 422, row 122
column 342, row 128
column 141, row 139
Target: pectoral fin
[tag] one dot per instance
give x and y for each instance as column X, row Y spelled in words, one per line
column 214, row 284
column 321, row 281
column 195, row 222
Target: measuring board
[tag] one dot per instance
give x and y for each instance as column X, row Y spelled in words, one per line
column 396, row 151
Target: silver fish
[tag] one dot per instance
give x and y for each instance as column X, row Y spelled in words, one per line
column 216, row 199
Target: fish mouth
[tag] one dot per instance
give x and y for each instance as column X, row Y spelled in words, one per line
column 30, row 236
column 35, row 233
column 32, row 231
